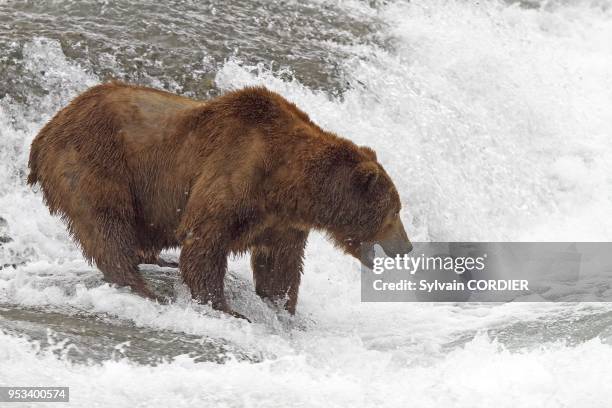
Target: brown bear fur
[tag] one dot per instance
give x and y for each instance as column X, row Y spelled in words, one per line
column 134, row 170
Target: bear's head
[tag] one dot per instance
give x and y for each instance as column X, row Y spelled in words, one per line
column 356, row 202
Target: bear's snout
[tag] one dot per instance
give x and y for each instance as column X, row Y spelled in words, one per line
column 397, row 241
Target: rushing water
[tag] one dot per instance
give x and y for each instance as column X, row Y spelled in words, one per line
column 494, row 119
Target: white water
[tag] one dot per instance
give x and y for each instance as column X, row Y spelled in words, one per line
column 496, row 124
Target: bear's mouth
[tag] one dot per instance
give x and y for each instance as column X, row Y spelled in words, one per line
column 367, row 255
column 390, row 249
column 395, row 244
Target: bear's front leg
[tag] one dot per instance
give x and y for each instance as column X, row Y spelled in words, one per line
column 277, row 267
column 203, row 263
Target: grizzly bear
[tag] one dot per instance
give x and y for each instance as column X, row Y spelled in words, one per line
column 134, row 170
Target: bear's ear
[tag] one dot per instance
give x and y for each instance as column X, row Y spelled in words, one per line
column 365, row 176
column 369, row 152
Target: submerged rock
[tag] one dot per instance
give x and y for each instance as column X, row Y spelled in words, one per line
column 87, row 338
column 4, row 237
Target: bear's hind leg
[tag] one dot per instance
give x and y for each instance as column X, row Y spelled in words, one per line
column 277, row 267
column 102, row 223
column 118, row 262
column 111, row 246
